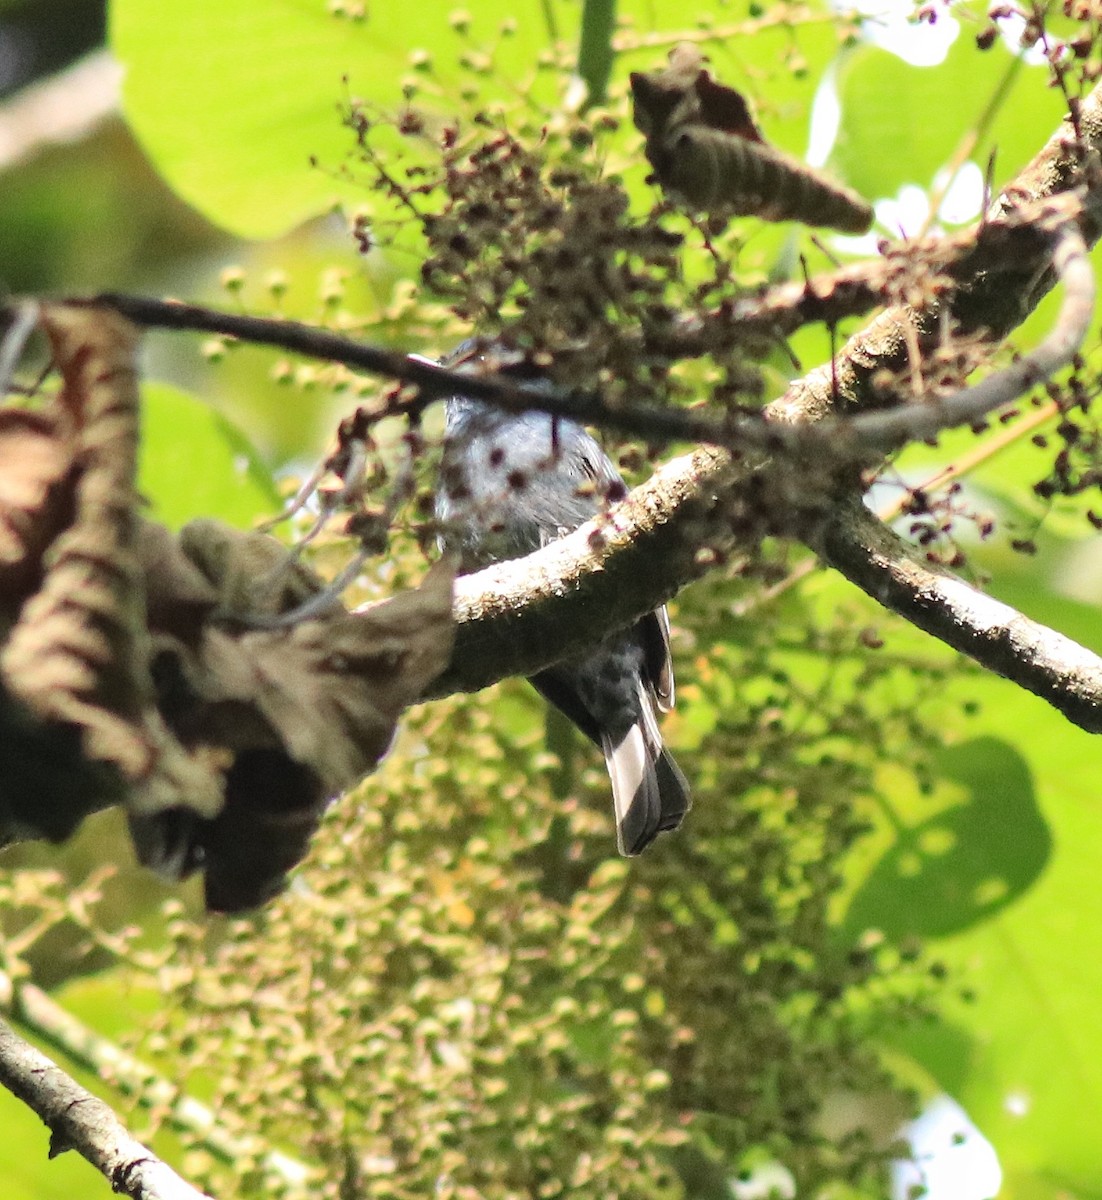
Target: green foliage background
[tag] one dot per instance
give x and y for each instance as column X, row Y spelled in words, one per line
column 891, row 858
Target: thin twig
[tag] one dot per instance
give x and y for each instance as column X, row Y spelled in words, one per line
column 431, row 381
column 913, row 422
column 880, row 430
column 23, row 323
column 967, row 462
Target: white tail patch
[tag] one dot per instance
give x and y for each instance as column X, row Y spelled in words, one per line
column 635, row 798
column 649, row 793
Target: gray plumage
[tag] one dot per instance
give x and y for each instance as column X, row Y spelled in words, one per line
column 509, row 485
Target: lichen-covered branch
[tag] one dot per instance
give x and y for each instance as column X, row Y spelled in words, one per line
column 893, row 427
column 79, row 1121
column 519, row 616
column 1044, row 662
column 662, row 525
column 998, row 288
column 34, row 1010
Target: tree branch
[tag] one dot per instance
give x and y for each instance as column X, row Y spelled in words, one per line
column 987, row 302
column 1020, row 242
column 525, row 614
column 79, row 1121
column 1044, row 662
column 528, row 612
column 911, row 422
column 519, row 616
column 32, row 1008
column 432, row 382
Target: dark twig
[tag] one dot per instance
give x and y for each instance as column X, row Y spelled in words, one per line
column 765, row 313
column 431, row 381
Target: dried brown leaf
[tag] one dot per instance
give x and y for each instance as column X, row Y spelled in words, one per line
column 35, row 501
column 298, row 714
column 253, row 576
column 143, row 668
column 77, row 658
column 336, row 688
column 707, row 150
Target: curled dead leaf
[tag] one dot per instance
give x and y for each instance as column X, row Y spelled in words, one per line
column 135, row 667
column 304, row 712
column 35, row 502
column 76, row 653
column 706, row 149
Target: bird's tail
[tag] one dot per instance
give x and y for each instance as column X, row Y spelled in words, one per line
column 649, row 793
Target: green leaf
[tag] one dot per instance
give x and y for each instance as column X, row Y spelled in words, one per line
column 901, row 124
column 194, row 463
column 234, row 100
column 1018, row 1041
column 968, row 861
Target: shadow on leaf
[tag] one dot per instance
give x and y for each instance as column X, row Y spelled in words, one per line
column 967, row 862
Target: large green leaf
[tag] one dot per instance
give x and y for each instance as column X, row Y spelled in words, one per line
column 998, row 870
column 901, row 124
column 1034, row 1077
column 194, row 463
column 234, row 99
column 969, row 860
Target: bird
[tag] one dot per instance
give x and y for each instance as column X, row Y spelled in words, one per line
column 511, row 483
